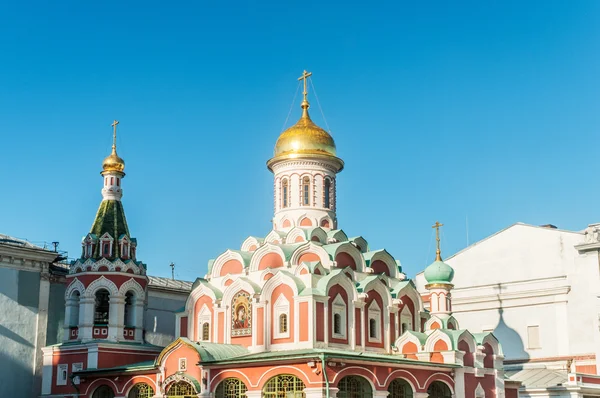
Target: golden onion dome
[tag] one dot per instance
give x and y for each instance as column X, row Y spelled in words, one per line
column 113, row 162
column 305, row 139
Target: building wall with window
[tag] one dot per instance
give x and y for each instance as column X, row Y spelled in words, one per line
column 30, row 314
column 537, row 289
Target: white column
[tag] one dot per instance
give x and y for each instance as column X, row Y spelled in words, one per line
column 459, row 382
column 317, row 392
column 70, row 304
column 139, row 320
column 420, row 395
column 116, row 317
column 326, row 321
column 254, row 394
column 86, row 318
column 499, row 381
column 47, row 373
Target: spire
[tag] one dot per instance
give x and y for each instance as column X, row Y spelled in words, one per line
column 438, row 252
column 113, row 163
column 305, row 105
column 114, row 145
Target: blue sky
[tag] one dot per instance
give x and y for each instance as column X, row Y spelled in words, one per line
column 441, row 110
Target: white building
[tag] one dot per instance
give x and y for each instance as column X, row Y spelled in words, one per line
column 537, row 289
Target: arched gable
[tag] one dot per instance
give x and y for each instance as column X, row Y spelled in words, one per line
column 408, row 337
column 101, row 283
column 377, row 285
column 319, row 235
column 295, row 235
column 251, row 243
column 305, row 221
column 360, row 243
column 307, row 248
column 279, row 278
column 199, row 291
column 434, row 323
column 382, row 262
column 344, row 253
column 490, row 339
column 436, row 336
column 336, row 235
column 132, row 285
column 310, row 268
column 257, row 263
column 74, row 286
column 229, row 262
column 468, row 339
column 275, row 237
column 240, row 284
column 325, row 222
column 338, row 278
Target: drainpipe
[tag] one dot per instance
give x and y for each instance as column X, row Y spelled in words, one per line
column 325, row 375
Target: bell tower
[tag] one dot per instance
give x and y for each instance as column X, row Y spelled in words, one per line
column 106, row 290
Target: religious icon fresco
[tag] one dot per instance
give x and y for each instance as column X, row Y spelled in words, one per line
column 241, row 316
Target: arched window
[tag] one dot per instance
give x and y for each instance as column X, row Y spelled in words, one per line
column 284, row 193
column 102, row 307
column 437, row 389
column 306, row 191
column 129, row 309
column 283, row 323
column 205, row 331
column 337, row 323
column 327, row 189
column 400, row 388
column 141, row 390
column 287, row 386
column 354, row 387
column 373, row 328
column 74, row 315
column 231, row 388
column 103, row 392
column 181, row 389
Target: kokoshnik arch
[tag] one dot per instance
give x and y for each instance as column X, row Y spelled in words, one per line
column 305, row 311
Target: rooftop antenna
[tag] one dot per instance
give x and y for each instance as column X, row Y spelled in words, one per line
column 172, row 265
column 55, row 244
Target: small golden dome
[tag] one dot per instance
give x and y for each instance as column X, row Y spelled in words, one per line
column 113, row 162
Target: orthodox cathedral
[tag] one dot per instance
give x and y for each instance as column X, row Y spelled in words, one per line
column 306, row 311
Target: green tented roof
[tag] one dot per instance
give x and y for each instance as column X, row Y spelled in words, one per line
column 110, row 218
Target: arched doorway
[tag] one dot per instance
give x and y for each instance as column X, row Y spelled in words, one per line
column 354, row 387
column 284, row 386
column 399, row 388
column 437, row 389
column 181, row 389
column 141, row 390
column 103, row 392
column 231, row 388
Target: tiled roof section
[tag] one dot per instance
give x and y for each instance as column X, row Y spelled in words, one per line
column 169, row 284
column 538, row 378
column 9, row 240
column 110, row 218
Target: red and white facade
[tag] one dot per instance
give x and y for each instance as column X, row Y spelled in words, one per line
column 304, row 312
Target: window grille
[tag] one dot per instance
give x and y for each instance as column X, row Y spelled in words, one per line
column 306, row 191
column 102, row 307
column 400, row 389
column 283, row 324
column 205, row 331
column 437, row 389
column 354, row 387
column 337, row 324
column 284, row 386
column 231, row 388
column 327, row 203
column 373, row 328
column 181, row 389
column 284, row 192
column 141, row 390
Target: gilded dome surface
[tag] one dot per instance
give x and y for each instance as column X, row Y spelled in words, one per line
column 113, row 162
column 305, row 138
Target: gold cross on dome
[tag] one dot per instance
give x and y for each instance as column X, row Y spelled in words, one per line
column 305, row 76
column 114, row 125
column 438, row 252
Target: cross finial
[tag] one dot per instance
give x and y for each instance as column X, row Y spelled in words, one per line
column 114, row 125
column 305, row 76
column 438, row 252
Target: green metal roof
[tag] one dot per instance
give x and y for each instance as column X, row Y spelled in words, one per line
column 110, row 219
column 211, row 352
column 201, row 281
